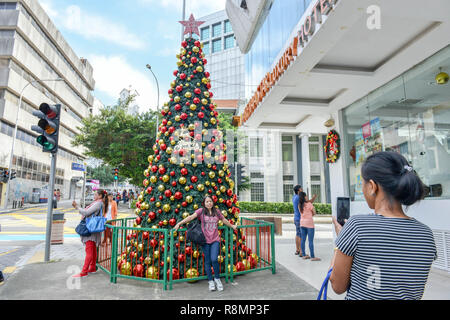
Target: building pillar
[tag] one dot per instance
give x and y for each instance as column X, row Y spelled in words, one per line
column 306, row 168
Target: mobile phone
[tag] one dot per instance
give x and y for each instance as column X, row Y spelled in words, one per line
column 343, row 210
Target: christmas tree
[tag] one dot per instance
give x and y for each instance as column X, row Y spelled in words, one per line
column 189, row 162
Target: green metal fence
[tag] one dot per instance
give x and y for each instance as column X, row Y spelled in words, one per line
column 251, row 250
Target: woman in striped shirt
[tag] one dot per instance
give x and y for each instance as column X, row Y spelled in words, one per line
column 384, row 255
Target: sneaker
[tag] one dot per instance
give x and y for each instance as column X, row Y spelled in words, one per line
column 212, row 286
column 218, row 284
column 80, row 275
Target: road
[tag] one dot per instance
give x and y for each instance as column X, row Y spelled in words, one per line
column 23, row 230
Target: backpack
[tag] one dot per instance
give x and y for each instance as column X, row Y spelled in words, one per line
column 194, row 233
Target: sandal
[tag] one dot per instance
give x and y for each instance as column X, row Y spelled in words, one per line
column 315, row 259
column 297, row 253
column 306, row 257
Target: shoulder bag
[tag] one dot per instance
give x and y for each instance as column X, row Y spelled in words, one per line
column 194, row 232
column 96, row 222
column 324, row 289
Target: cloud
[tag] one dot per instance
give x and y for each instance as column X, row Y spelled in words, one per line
column 93, row 26
column 47, row 5
column 114, row 73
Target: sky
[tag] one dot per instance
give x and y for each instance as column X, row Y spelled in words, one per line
column 120, row 37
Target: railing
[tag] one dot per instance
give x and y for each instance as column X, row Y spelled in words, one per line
column 255, row 252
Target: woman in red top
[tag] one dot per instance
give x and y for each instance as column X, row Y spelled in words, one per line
column 307, row 212
column 209, row 217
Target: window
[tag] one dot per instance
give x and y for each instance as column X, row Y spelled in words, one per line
column 8, row 5
column 229, row 42
column 256, row 147
column 314, row 152
column 217, row 30
column 204, row 33
column 228, row 26
column 256, row 175
column 315, row 189
column 287, row 152
column 409, row 116
column 206, row 48
column 257, row 191
column 216, row 45
column 288, row 192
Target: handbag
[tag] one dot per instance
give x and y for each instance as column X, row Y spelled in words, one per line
column 194, row 233
column 82, row 230
column 324, row 288
column 96, row 223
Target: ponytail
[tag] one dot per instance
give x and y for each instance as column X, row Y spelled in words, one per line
column 104, row 195
column 397, row 178
column 302, row 200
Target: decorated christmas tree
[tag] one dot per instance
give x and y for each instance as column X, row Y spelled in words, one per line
column 188, row 163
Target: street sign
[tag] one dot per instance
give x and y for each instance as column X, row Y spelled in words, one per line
column 78, row 166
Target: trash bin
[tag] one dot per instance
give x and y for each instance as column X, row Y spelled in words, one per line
column 57, row 236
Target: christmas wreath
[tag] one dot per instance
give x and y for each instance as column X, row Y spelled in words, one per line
column 333, row 146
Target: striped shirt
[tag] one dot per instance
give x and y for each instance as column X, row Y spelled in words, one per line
column 392, row 257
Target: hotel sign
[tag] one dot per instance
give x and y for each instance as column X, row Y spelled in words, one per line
column 307, row 30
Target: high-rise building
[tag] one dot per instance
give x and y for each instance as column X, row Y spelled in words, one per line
column 33, row 52
column 225, row 61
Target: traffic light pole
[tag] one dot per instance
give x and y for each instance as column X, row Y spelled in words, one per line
column 50, row 207
column 15, row 133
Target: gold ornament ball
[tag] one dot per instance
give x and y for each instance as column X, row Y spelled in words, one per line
column 153, row 179
column 158, row 204
column 195, row 206
column 199, row 69
column 189, row 199
column 187, row 188
column 152, row 273
column 161, row 188
column 185, row 215
column 200, row 187
column 156, row 254
column 166, row 208
column 166, row 178
column 196, row 254
column 182, row 180
column 211, row 174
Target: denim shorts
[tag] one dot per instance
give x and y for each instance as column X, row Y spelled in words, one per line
column 298, row 231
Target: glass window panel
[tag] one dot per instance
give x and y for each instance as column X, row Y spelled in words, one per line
column 204, row 33
column 216, row 45
column 314, row 152
column 287, row 192
column 257, row 191
column 287, row 152
column 227, row 26
column 229, row 42
column 217, row 30
column 206, row 48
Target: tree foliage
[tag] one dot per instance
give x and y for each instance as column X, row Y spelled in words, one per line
column 119, row 139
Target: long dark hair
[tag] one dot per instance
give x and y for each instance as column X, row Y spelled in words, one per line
column 213, row 209
column 392, row 172
column 104, row 195
column 302, row 200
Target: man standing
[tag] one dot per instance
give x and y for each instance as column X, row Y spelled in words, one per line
column 295, row 202
column 297, row 216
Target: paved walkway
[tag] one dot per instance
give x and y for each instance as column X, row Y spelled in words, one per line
column 295, row 279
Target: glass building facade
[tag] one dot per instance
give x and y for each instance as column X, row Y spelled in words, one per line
column 284, row 15
column 409, row 115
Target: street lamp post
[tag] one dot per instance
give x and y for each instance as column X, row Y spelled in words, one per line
column 157, row 106
column 15, row 133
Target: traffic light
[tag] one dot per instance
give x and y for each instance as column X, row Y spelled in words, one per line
column 48, row 126
column 13, row 175
column 4, row 176
column 240, row 173
column 237, row 173
column 116, row 173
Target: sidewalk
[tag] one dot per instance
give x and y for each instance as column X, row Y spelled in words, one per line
column 35, row 205
column 295, row 278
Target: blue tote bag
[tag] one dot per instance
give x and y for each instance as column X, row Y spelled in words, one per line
column 96, row 222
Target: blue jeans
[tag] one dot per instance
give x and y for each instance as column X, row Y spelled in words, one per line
column 307, row 232
column 211, row 252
